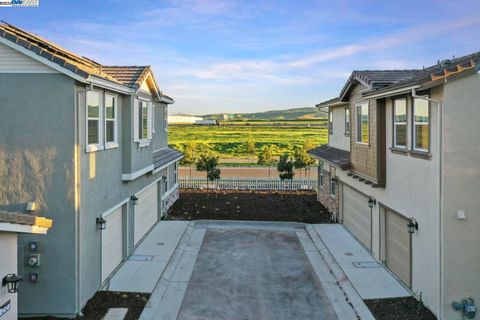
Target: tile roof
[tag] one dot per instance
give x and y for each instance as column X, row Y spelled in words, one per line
column 165, row 156
column 333, row 155
column 129, row 76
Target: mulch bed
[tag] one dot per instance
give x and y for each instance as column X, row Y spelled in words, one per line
column 399, row 309
column 97, row 307
column 296, row 206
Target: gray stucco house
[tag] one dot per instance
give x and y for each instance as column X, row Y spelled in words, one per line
column 401, row 171
column 88, row 144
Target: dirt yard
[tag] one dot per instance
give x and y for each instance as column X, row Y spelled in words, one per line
column 399, row 309
column 296, row 206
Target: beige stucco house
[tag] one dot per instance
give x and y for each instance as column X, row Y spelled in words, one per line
column 401, row 171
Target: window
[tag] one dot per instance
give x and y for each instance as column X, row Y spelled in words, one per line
column 93, row 121
column 110, row 121
column 143, row 120
column 421, row 125
column 347, row 121
column 320, row 174
column 165, row 118
column 362, row 123
column 400, row 123
column 333, row 182
column 330, row 121
column 143, row 124
column 175, row 173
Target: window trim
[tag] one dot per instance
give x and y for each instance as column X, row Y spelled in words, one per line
column 347, row 121
column 413, row 147
column 114, row 143
column 360, row 105
column 321, row 170
column 331, row 176
column 92, row 147
column 394, row 123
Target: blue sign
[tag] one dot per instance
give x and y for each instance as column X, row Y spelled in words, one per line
column 5, row 308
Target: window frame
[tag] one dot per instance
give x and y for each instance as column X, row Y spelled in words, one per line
column 332, row 177
column 414, row 124
column 394, row 124
column 347, row 121
column 330, row 120
column 92, row 147
column 359, row 122
column 143, row 141
column 114, row 143
column 321, row 173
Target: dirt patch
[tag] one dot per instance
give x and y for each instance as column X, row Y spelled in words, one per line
column 399, row 309
column 296, row 206
column 97, row 307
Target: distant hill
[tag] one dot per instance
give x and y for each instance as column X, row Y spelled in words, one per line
column 289, row 114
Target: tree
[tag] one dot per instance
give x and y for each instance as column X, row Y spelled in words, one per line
column 285, row 167
column 190, row 155
column 250, row 146
column 208, row 163
column 302, row 160
column 308, row 145
column 266, row 158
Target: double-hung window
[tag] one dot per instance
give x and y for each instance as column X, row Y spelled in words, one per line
column 400, row 123
column 421, row 125
column 111, row 121
column 347, row 121
column 320, row 174
column 362, row 123
column 94, row 117
column 143, row 122
column 330, row 121
column 333, row 182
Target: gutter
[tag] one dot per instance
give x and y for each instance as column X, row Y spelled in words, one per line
column 110, row 85
column 440, row 197
column 388, row 93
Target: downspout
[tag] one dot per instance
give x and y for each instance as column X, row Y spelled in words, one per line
column 440, row 196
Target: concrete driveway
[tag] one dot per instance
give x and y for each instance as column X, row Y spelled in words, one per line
column 252, row 270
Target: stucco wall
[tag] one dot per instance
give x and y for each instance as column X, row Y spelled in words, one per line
column 37, row 150
column 461, row 170
column 412, row 186
column 8, row 264
column 338, row 139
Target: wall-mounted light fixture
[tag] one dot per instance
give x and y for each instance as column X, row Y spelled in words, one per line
column 134, row 200
column 412, row 225
column 11, row 281
column 371, row 202
column 101, row 223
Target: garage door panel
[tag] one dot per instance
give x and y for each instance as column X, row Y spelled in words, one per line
column 356, row 215
column 112, row 243
column 146, row 211
column 398, row 248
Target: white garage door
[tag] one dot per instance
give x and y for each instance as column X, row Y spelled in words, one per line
column 146, row 211
column 397, row 245
column 357, row 216
column 112, row 242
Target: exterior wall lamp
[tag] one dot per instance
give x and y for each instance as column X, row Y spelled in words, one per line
column 134, row 199
column 101, row 223
column 11, row 281
column 412, row 225
column 372, row 202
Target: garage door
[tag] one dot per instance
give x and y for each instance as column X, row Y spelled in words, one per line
column 357, row 215
column 397, row 245
column 112, row 243
column 146, row 211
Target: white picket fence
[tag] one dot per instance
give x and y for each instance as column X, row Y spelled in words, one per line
column 249, row 183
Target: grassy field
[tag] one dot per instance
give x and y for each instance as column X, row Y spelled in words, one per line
column 231, row 141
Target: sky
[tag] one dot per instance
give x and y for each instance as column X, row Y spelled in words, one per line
column 229, row 56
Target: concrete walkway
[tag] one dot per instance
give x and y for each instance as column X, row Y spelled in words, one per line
column 142, row 270
column 370, row 278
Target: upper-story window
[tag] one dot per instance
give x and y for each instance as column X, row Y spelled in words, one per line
column 362, row 123
column 347, row 121
column 165, row 118
column 333, row 181
column 93, row 120
column 143, row 121
column 400, row 123
column 330, row 121
column 421, row 125
column 111, row 134
column 320, row 174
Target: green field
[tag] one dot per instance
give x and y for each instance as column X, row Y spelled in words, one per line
column 231, row 141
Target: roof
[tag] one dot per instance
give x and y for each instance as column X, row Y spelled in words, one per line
column 331, row 103
column 13, row 219
column 375, row 79
column 163, row 157
column 128, row 76
column 437, row 73
column 333, row 155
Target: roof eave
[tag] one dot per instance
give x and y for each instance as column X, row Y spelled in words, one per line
column 107, row 84
column 384, row 93
column 328, row 105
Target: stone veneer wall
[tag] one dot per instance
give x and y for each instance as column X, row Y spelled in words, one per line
column 323, row 194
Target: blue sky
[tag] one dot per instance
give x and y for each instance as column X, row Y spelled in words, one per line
column 247, row 56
